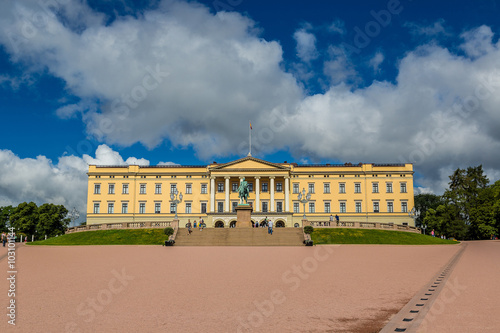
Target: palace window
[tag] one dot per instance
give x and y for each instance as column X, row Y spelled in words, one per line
column 220, row 207
column 404, row 207
column 157, row 188
column 204, row 188
column 342, row 188
column 358, row 207
column 220, row 187
column 264, row 187
column 376, row 207
column 357, row 187
column 97, row 189
column 203, row 207
column 235, row 204
column 389, row 187
column 173, row 188
column 403, row 187
column 375, row 187
column 327, row 207
column 173, row 208
column 142, row 208
column 296, row 207
column 311, row 207
column 142, row 189
column 235, row 187
column 279, row 187
column 96, row 208
column 279, row 206
column 111, row 208
column 125, row 189
column 111, row 189
column 250, row 187
column 326, row 187
column 189, row 189
column 157, row 207
column 188, row 208
column 311, row 187
column 124, row 208
column 295, row 188
column 264, row 206
column 390, row 207
column 342, row 207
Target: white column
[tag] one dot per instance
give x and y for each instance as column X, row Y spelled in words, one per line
column 212, row 194
column 226, row 190
column 271, row 190
column 256, row 205
column 287, row 194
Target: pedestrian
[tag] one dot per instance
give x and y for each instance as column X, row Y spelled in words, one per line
column 4, row 239
column 432, row 233
column 330, row 222
column 188, row 226
column 337, row 219
column 201, row 224
column 270, row 227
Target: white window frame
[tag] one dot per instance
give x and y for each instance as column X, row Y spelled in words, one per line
column 97, row 207
column 125, row 188
column 97, row 188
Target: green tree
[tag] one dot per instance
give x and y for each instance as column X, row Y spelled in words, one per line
column 25, row 218
column 52, row 220
column 424, row 202
column 445, row 220
column 5, row 214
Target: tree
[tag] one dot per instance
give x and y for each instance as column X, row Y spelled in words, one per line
column 424, row 202
column 25, row 218
column 444, row 220
column 52, row 220
column 5, row 214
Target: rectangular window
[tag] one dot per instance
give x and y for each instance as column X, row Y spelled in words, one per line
column 97, row 189
column 390, row 207
column 157, row 188
column 220, row 207
column 111, row 208
column 264, row 207
column 111, row 189
column 189, row 189
column 203, row 207
column 264, row 187
column 327, row 207
column 220, row 187
column 173, row 188
column 279, row 206
column 142, row 189
column 296, row 207
column 358, row 207
column 375, row 187
column 124, row 208
column 188, row 208
column 295, row 188
column 311, row 187
column 389, row 187
column 157, row 207
column 279, row 187
column 326, row 187
column 173, row 208
column 250, row 187
column 342, row 188
column 235, row 187
column 204, row 188
column 342, row 207
column 234, row 205
column 376, row 207
column 96, row 208
column 403, row 187
column 125, row 189
column 404, row 207
column 311, row 207
column 142, row 208
column 357, row 187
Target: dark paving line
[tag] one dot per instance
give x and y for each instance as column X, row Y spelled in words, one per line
column 413, row 313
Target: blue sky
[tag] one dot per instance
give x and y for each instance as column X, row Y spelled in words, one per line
column 149, row 82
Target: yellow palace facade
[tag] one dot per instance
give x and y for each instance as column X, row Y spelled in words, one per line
column 354, row 192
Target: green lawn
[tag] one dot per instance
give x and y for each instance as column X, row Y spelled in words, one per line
column 108, row 237
column 369, row 236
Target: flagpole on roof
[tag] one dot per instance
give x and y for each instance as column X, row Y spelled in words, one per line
column 250, row 138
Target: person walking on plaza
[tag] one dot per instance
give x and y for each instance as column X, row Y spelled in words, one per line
column 432, row 233
column 337, row 219
column 188, row 226
column 202, row 224
column 330, row 222
column 270, row 227
column 4, row 239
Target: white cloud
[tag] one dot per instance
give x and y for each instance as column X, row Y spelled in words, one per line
column 306, row 45
column 375, row 62
column 478, row 42
column 437, row 28
column 339, row 68
column 338, row 27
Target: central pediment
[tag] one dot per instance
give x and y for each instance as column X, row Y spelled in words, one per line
column 249, row 163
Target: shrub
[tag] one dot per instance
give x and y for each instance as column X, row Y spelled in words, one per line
column 308, row 229
column 168, row 231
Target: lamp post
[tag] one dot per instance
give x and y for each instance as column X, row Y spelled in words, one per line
column 414, row 214
column 303, row 198
column 73, row 215
column 176, row 198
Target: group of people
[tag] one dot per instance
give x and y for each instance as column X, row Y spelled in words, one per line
column 337, row 219
column 4, row 238
column 201, row 225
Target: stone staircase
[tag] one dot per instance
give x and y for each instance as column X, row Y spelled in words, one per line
column 240, row 237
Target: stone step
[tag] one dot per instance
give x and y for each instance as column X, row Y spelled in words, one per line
column 240, row 237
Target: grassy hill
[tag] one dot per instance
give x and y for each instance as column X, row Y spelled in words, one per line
column 319, row 236
column 108, row 237
column 369, row 236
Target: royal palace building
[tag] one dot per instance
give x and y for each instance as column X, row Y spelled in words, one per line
column 365, row 192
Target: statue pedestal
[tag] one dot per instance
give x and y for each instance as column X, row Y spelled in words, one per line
column 244, row 216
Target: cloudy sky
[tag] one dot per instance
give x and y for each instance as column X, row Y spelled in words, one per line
column 172, row 81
